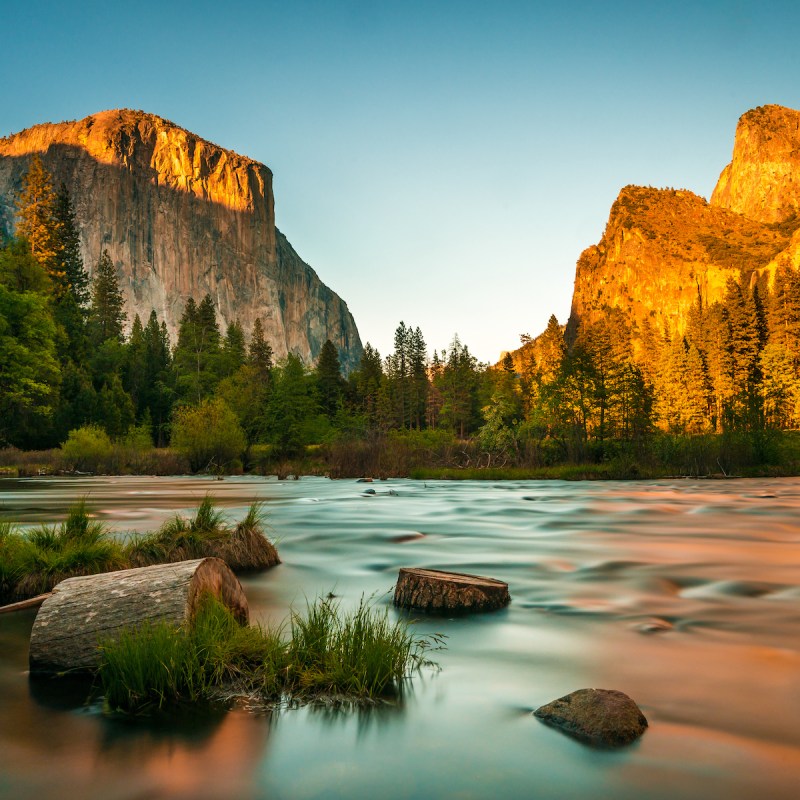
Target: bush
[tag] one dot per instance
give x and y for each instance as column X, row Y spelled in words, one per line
column 209, row 435
column 87, row 448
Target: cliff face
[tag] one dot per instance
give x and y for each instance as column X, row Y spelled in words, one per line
column 181, row 217
column 662, row 249
column 763, row 179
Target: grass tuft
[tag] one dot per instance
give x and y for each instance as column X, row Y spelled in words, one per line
column 33, row 562
column 244, row 547
column 358, row 655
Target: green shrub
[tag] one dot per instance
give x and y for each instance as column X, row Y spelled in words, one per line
column 87, row 448
column 209, row 435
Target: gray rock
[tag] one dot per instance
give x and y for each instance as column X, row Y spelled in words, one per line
column 600, row 717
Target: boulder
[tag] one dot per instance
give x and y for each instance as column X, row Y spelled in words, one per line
column 600, row 717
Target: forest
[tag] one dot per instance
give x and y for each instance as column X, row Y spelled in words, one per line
column 83, row 387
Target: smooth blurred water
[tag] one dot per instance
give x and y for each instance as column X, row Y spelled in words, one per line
column 683, row 594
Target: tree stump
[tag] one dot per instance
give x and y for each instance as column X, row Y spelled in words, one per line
column 442, row 592
column 83, row 611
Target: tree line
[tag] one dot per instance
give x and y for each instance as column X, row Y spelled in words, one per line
column 577, row 394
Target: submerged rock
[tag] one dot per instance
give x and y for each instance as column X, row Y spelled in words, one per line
column 601, row 717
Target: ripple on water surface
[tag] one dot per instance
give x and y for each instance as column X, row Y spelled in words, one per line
column 683, row 594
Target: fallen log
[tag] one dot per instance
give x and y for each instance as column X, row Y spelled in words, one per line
column 83, row 611
column 436, row 591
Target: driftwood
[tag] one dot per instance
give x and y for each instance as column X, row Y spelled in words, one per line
column 436, row 591
column 31, row 602
column 83, row 611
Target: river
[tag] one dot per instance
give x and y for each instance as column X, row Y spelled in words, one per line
column 683, row 594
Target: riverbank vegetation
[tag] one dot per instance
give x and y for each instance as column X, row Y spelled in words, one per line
column 33, row 561
column 83, row 388
column 328, row 652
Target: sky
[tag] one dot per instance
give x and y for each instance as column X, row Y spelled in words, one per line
column 439, row 163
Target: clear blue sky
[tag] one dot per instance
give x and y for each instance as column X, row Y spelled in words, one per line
column 443, row 163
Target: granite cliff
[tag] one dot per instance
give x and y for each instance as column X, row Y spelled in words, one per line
column 182, row 217
column 663, row 249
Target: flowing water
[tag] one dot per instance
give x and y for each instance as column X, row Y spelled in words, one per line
column 683, row 594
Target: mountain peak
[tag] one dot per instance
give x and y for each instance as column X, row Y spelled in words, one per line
column 763, row 179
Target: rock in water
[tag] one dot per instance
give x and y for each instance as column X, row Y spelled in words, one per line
column 601, row 717
column 182, row 217
column 437, row 591
column 83, row 611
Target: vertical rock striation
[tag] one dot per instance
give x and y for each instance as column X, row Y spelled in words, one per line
column 181, row 217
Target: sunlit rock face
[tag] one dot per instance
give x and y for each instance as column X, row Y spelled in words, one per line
column 662, row 249
column 181, row 217
column 763, row 179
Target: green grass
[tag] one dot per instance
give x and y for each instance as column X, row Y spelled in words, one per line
column 33, row 562
column 244, row 547
column 564, row 472
column 355, row 655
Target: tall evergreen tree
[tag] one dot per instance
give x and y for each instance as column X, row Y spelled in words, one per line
column 107, row 313
column 197, row 354
column 38, row 223
column 259, row 355
column 368, row 379
column 68, row 259
column 330, row 384
column 418, row 377
column 233, row 352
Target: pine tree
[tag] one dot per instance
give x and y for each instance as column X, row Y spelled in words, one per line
column 368, row 379
column 135, row 379
column 418, row 377
column 68, row 259
column 330, row 384
column 232, row 355
column 259, row 355
column 197, row 354
column 38, row 222
column 458, row 384
column 107, row 314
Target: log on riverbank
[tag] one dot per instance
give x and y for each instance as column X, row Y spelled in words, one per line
column 436, row 591
column 83, row 611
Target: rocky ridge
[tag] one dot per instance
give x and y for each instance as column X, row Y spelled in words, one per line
column 663, row 249
column 182, row 217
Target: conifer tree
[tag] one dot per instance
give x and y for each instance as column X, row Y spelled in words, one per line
column 368, row 378
column 38, row 222
column 259, row 355
column 197, row 354
column 135, row 381
column 69, row 261
column 330, row 384
column 232, row 355
column 159, row 380
column 107, row 314
column 418, row 377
